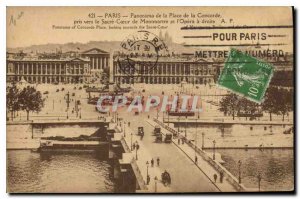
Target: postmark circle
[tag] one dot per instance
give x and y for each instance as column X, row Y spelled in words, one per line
column 140, row 54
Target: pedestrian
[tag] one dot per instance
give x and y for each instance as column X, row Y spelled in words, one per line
column 152, row 162
column 215, row 177
column 137, row 146
column 178, row 141
column 128, row 123
column 196, row 160
column 221, row 176
column 157, row 160
column 133, row 146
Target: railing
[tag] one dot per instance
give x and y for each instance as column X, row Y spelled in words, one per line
column 226, row 121
column 216, row 165
column 138, row 175
column 135, row 168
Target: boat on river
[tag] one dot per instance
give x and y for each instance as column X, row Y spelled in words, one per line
column 76, row 144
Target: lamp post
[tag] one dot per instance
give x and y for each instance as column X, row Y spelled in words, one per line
column 196, row 138
column 240, row 164
column 68, row 99
column 155, row 179
column 147, row 163
column 124, row 129
column 203, row 140
column 259, row 179
column 214, row 150
column 185, row 125
column 137, row 146
column 131, row 141
column 178, row 123
column 76, row 107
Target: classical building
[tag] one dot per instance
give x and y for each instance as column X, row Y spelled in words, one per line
column 34, row 70
column 88, row 66
column 165, row 71
column 68, row 67
column 99, row 62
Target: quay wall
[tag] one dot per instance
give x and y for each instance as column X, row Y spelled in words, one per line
column 27, row 135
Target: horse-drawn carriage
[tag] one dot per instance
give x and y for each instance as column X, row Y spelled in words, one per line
column 157, row 130
column 159, row 138
column 141, row 131
column 167, row 138
column 166, row 178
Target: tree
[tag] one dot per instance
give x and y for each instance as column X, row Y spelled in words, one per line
column 270, row 103
column 248, row 107
column 104, row 78
column 30, row 100
column 229, row 105
column 290, row 100
column 12, row 100
column 285, row 102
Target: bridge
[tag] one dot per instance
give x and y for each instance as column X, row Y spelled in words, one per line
column 178, row 160
column 132, row 167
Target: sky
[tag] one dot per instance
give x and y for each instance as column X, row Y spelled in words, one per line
column 34, row 25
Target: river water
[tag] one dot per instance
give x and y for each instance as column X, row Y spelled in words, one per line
column 276, row 167
column 87, row 173
column 34, row 172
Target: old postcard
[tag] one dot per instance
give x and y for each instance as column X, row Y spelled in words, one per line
column 150, row 99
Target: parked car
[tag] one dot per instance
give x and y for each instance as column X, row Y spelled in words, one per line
column 46, row 92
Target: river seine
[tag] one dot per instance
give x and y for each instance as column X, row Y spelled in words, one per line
column 34, row 172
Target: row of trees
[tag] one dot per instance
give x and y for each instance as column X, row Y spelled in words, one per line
column 27, row 99
column 283, row 78
column 277, row 101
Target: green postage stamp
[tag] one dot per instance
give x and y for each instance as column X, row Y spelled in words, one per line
column 246, row 75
